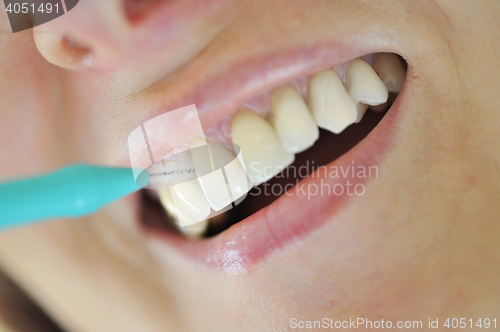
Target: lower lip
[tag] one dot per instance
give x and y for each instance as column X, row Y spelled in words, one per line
column 294, row 215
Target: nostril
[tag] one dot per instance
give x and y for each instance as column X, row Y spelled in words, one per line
column 61, row 50
column 97, row 34
column 77, row 54
column 137, row 10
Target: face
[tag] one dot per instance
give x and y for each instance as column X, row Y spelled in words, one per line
column 419, row 242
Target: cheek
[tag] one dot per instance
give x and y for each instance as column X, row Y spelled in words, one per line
column 28, row 93
column 93, row 119
column 352, row 266
column 116, row 228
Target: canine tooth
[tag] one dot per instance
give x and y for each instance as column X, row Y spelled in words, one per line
column 390, row 70
column 194, row 230
column 331, row 105
column 190, row 202
column 364, row 86
column 292, row 121
column 263, row 155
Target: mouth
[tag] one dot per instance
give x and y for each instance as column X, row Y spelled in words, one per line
column 317, row 140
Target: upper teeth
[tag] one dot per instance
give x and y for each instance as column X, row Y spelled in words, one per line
column 263, row 154
column 269, row 147
column 391, row 71
column 364, row 86
column 214, row 164
column 190, row 202
column 218, row 180
column 194, row 230
column 235, row 175
column 210, row 180
column 332, row 107
column 292, row 120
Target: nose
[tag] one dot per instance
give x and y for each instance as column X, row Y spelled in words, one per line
column 93, row 31
column 109, row 33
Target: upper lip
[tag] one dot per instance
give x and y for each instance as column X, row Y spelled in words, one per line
column 218, row 89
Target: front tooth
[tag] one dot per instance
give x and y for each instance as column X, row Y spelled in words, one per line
column 364, row 86
column 292, row 121
column 190, row 202
column 263, row 155
column 332, row 107
column 390, row 70
column 209, row 159
column 214, row 188
column 235, row 175
column 194, row 230
column 211, row 180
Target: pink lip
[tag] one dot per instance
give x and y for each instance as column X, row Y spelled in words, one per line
column 217, row 94
column 292, row 216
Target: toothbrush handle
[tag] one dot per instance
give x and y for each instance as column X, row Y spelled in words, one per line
column 70, row 192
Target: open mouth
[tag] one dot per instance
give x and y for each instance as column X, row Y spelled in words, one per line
column 305, row 137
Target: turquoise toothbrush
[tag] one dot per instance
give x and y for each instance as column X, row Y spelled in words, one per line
column 70, row 192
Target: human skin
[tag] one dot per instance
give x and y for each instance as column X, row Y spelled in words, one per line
column 421, row 243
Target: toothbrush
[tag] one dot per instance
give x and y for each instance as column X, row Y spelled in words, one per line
column 70, row 192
